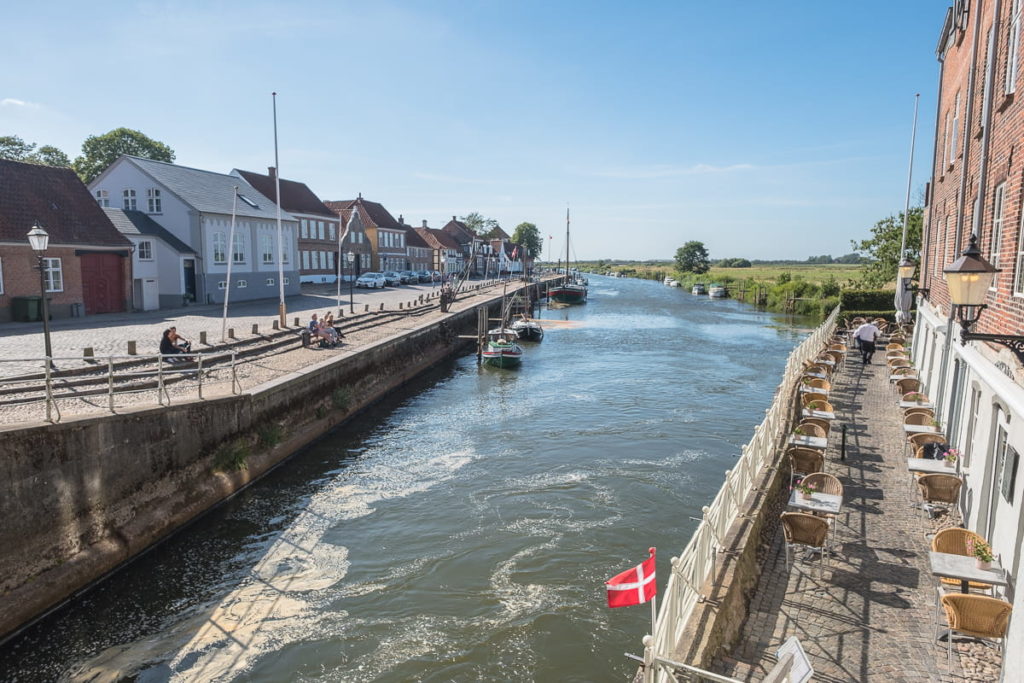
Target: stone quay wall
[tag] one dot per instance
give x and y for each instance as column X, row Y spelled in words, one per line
column 81, row 497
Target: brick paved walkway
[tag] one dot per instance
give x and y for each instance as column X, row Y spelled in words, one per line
column 870, row 616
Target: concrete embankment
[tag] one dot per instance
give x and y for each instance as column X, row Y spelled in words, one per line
column 81, row 497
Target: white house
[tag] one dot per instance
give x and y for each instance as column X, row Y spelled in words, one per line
column 195, row 207
column 158, row 260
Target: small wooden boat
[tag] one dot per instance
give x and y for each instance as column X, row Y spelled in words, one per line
column 698, row 289
column 528, row 330
column 501, row 349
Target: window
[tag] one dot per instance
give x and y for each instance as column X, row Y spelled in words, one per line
column 267, row 248
column 102, row 197
column 241, row 284
column 145, row 250
column 1018, row 286
column 153, row 197
column 323, row 260
column 222, row 285
column 972, row 423
column 305, row 260
column 270, row 282
column 287, row 281
column 220, row 248
column 248, row 201
column 1013, row 48
column 996, row 241
column 304, row 228
column 320, row 230
column 53, row 275
column 129, row 200
column 956, row 129
column 238, row 252
column 331, row 231
column 330, row 260
column 364, row 260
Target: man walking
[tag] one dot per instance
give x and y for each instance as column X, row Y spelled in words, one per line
column 866, row 335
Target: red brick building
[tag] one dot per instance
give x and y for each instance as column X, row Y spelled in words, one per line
column 87, row 263
column 386, row 236
column 977, row 188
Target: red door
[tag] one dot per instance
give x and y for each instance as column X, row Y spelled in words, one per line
column 102, row 283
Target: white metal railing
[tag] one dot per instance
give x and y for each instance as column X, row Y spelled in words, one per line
column 695, row 564
column 111, row 377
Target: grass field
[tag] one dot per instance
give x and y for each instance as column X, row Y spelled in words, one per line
column 845, row 275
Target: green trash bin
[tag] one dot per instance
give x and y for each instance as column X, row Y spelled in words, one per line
column 27, row 309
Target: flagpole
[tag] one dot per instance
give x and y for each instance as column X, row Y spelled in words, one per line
column 341, row 238
column 281, row 311
column 231, row 257
column 910, row 176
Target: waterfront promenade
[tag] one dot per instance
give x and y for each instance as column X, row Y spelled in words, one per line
column 870, row 617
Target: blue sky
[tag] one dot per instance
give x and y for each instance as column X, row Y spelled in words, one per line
column 765, row 130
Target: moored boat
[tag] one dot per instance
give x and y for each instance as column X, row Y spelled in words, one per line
column 698, row 289
column 574, row 289
column 528, row 330
column 501, row 349
column 717, row 292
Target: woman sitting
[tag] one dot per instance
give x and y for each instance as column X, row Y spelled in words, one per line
column 168, row 348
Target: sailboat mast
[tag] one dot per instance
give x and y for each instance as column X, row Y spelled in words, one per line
column 567, row 245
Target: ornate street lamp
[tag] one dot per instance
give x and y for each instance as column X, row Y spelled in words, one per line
column 905, row 271
column 969, row 279
column 39, row 239
column 351, row 258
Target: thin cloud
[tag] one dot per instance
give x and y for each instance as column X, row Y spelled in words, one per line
column 12, row 102
column 666, row 171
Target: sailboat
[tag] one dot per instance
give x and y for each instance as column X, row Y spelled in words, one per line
column 574, row 288
column 501, row 349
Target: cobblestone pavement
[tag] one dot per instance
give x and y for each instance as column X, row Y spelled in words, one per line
column 870, row 616
column 108, row 334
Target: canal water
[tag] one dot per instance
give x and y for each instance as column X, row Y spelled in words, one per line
column 460, row 530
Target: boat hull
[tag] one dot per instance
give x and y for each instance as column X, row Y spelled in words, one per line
column 504, row 356
column 568, row 295
column 531, row 333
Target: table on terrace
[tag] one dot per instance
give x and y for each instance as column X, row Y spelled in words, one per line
column 813, row 390
column 965, row 569
column 920, row 429
column 822, row 414
column 819, row 502
column 809, row 441
column 915, row 404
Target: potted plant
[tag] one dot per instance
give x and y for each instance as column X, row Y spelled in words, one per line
column 799, row 431
column 805, row 490
column 816, row 405
column 916, row 397
column 935, row 423
column 950, row 457
column 982, row 553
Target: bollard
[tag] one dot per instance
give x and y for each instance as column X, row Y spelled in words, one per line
column 255, row 328
column 231, row 333
column 382, row 305
column 131, row 348
column 297, row 322
column 366, row 309
column 421, row 298
column 341, row 312
column 202, row 338
column 842, row 448
column 399, row 305
column 275, row 324
column 88, row 354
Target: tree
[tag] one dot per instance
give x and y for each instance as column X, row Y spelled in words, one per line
column 99, row 151
column 883, row 247
column 14, row 148
column 692, row 257
column 528, row 235
column 478, row 224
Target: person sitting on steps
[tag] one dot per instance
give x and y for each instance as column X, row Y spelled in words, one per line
column 168, row 348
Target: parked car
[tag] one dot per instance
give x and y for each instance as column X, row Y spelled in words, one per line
column 423, row 275
column 435, row 276
column 371, row 281
column 392, row 279
column 409, row 277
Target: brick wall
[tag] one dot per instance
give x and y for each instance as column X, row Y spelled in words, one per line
column 1005, row 169
column 21, row 278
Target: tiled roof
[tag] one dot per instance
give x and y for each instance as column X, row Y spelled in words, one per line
column 459, row 231
column 139, row 223
column 372, row 213
column 414, row 239
column 438, row 239
column 207, row 191
column 497, row 233
column 295, row 196
column 58, row 200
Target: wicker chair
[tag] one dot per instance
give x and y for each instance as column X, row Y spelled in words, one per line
column 954, row 542
column 811, row 429
column 826, row 483
column 804, row 461
column 806, row 530
column 810, row 397
column 919, row 411
column 915, row 441
column 825, row 370
column 902, row 370
column 823, row 406
column 978, row 616
column 893, row 346
column 825, row 425
column 921, row 419
column 906, row 396
column 939, row 489
column 898, row 339
column 817, row 383
column 905, row 386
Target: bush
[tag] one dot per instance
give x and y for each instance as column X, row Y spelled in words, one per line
column 231, row 456
column 270, row 435
column 867, row 299
column 830, row 287
column 341, row 398
column 889, row 315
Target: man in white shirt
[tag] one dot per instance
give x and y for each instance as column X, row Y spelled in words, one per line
column 866, row 334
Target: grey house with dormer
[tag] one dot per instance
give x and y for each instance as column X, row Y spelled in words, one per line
column 195, row 206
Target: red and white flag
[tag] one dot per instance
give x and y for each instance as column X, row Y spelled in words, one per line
column 634, row 586
column 514, row 252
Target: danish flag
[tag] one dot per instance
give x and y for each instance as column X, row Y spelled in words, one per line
column 634, row 586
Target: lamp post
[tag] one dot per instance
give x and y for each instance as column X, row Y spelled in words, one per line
column 905, row 272
column 39, row 239
column 351, row 258
column 969, row 279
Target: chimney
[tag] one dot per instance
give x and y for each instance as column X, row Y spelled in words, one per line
column 453, row 217
column 401, row 220
column 271, row 171
column 424, row 222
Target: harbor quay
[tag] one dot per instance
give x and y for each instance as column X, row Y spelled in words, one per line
column 87, row 493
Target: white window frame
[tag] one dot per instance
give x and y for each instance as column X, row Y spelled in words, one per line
column 241, row 284
column 305, row 259
column 331, row 231
column 223, row 284
column 270, row 282
column 996, row 237
column 955, row 134
column 102, row 197
column 146, row 250
column 1013, row 49
column 53, row 274
column 267, row 248
column 238, row 249
column 1018, row 281
column 304, row 228
column 287, row 281
column 128, row 197
column 220, row 248
column 153, row 200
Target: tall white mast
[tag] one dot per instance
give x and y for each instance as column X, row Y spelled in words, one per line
column 281, row 312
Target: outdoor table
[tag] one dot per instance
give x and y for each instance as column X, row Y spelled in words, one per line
column 822, row 414
column 915, row 404
column 809, row 441
column 930, row 466
column 920, row 429
column 812, row 390
column 825, row 361
column 819, row 375
column 819, row 502
column 896, row 378
column 964, row 568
